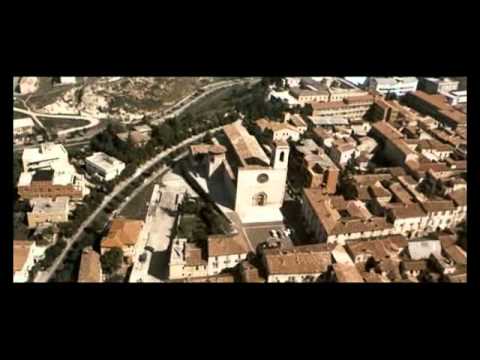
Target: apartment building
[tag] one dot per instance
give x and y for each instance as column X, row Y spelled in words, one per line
column 105, row 167
column 52, row 184
column 351, row 108
column 46, row 210
column 280, row 130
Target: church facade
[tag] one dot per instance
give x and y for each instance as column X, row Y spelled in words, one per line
column 254, row 180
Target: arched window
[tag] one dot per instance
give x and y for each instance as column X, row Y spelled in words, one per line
column 260, row 199
column 282, row 155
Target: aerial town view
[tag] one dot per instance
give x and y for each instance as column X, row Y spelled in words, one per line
column 240, row 179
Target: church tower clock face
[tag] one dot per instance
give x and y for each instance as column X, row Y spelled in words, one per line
column 262, row 178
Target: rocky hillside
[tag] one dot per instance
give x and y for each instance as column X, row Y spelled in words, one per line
column 126, row 98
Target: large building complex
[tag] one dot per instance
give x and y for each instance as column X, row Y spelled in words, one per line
column 392, row 85
column 351, row 108
column 47, row 172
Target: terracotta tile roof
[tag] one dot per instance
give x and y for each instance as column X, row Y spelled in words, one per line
column 459, row 197
column 438, row 101
column 293, row 261
column 123, row 232
column 457, row 254
column 21, row 251
column 413, row 210
column 297, row 121
column 437, row 205
column 274, row 125
column 382, row 248
column 347, row 273
column 250, row 273
column 193, row 255
column 90, row 267
column 387, row 130
column 221, row 245
column 413, row 265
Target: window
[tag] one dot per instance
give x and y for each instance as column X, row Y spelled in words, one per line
column 282, row 156
column 262, row 178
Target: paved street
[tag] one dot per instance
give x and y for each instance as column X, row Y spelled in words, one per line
column 45, row 276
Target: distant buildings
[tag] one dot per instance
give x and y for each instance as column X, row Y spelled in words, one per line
column 105, row 167
column 439, row 85
column 351, row 108
column 324, row 89
column 392, row 85
column 68, row 80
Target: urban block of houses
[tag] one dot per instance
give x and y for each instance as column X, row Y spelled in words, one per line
column 225, row 251
column 333, row 219
column 90, row 270
column 190, row 261
column 123, row 234
column 104, row 166
column 46, row 210
column 309, row 263
column 388, row 247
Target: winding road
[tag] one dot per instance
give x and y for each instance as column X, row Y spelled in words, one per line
column 44, row 276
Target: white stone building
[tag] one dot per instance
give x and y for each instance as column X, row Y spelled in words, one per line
column 45, row 156
column 105, row 167
column 397, row 85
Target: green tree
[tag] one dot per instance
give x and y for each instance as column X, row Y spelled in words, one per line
column 112, row 260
